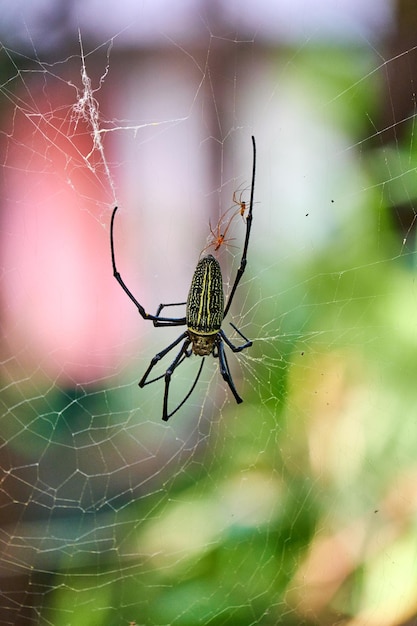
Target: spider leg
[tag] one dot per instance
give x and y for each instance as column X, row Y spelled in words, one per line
column 177, row 361
column 184, row 353
column 231, row 345
column 158, row 321
column 243, row 260
column 143, row 381
column 224, row 368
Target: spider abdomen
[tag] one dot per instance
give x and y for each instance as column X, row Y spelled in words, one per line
column 205, row 302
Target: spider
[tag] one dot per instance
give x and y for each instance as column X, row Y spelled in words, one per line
column 205, row 311
column 219, row 237
column 240, row 203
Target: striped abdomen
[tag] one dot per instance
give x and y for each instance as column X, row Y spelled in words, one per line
column 205, row 303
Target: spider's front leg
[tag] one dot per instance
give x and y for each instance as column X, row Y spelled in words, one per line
column 183, row 353
column 221, row 354
column 225, row 371
column 231, row 345
column 144, row 380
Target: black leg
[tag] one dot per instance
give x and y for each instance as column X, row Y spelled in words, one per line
column 225, row 371
column 183, row 353
column 243, row 260
column 177, row 361
column 143, row 381
column 158, row 321
column 245, row 345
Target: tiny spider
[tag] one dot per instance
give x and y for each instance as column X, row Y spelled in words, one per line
column 240, row 203
column 205, row 311
column 219, row 237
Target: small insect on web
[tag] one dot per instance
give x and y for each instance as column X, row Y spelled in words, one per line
column 205, row 311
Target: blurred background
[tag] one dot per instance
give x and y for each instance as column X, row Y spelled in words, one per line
column 298, row 506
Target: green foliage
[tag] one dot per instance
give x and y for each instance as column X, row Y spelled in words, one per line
column 301, row 507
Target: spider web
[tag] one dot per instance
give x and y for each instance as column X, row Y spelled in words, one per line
column 297, row 506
